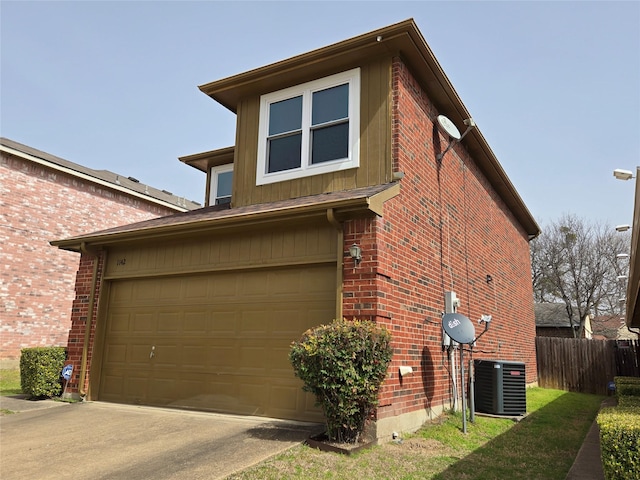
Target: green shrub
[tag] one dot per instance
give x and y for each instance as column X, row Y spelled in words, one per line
column 629, row 401
column 626, row 380
column 628, row 390
column 40, row 370
column 343, row 364
column 620, row 442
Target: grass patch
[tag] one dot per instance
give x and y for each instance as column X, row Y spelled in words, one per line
column 10, row 382
column 542, row 446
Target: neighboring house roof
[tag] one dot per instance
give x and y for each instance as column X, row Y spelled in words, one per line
column 128, row 185
column 331, row 206
column 552, row 315
column 403, row 39
column 611, row 327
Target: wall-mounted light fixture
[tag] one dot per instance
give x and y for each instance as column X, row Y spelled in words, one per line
column 622, row 256
column 623, row 228
column 356, row 253
column 489, row 279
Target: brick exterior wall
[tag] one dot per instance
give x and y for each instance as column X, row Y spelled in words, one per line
column 37, row 205
column 447, row 230
column 79, row 316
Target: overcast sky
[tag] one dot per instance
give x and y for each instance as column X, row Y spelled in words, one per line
column 553, row 86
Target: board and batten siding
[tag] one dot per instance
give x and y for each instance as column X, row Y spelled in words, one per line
column 298, row 245
column 375, row 146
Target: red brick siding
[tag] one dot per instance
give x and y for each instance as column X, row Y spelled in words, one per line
column 447, row 230
column 37, row 205
column 79, row 316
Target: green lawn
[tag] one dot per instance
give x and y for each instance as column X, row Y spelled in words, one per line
column 10, row 382
column 542, row 446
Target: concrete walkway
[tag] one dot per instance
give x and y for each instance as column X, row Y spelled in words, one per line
column 588, row 462
column 55, row 440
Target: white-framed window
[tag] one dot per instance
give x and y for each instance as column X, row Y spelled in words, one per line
column 221, row 182
column 310, row 129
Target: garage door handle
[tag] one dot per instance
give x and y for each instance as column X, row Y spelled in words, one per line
column 153, row 352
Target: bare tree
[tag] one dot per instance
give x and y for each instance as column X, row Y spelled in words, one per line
column 576, row 263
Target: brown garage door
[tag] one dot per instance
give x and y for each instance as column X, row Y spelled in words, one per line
column 214, row 341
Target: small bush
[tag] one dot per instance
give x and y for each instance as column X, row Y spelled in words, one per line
column 343, row 364
column 620, row 442
column 40, row 370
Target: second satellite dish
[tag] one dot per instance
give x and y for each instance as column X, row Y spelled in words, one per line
column 458, row 327
column 448, row 126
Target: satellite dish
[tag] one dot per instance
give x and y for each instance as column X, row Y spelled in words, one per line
column 458, row 327
column 448, row 126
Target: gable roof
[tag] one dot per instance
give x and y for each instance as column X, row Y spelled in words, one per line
column 403, row 39
column 127, row 185
column 552, row 315
column 343, row 204
column 611, row 327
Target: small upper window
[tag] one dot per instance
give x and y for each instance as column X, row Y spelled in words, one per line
column 221, row 182
column 310, row 129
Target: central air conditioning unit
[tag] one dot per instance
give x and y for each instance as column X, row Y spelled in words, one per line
column 500, row 387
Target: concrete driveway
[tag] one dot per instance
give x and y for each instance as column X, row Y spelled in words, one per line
column 55, row 440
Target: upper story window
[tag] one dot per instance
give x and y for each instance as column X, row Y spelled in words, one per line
column 221, row 182
column 310, row 129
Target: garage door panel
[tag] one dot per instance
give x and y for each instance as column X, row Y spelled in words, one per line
column 254, row 323
column 162, row 390
column 118, row 322
column 194, row 357
column 196, row 322
column 169, row 322
column 222, row 356
column 166, row 290
column 253, row 285
column 223, row 322
column 116, row 353
column 142, row 323
column 221, row 340
column 167, row 356
column 121, row 293
column 196, row 289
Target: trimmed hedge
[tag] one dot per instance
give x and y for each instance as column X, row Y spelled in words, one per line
column 628, row 391
column 620, row 442
column 343, row 364
column 626, row 380
column 40, row 370
column 628, row 401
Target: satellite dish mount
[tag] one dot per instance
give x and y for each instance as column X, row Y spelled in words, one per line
column 454, row 134
column 461, row 330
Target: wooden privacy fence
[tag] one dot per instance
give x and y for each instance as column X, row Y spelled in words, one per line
column 582, row 365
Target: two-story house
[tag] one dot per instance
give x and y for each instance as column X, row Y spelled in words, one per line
column 339, row 199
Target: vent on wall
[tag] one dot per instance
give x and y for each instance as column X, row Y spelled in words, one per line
column 500, row 387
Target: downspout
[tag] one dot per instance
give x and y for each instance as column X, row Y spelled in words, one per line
column 87, row 330
column 339, row 275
